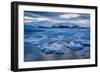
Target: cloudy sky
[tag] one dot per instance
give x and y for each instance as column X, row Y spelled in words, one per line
column 50, row 19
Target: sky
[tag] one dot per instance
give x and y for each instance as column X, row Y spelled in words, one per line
column 49, row 19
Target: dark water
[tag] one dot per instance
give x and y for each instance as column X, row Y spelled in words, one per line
column 42, row 44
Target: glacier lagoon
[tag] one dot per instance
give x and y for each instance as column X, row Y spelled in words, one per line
column 44, row 44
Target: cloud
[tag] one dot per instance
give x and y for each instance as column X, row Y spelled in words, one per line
column 61, row 19
column 74, row 21
column 28, row 19
column 31, row 14
column 83, row 23
column 43, row 18
column 69, row 16
column 79, row 21
column 52, row 22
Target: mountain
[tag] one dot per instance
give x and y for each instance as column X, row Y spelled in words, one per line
column 48, row 24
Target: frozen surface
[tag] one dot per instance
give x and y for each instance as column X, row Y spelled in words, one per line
column 56, row 44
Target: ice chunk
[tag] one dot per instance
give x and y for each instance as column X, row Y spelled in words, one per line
column 73, row 46
column 47, row 51
column 82, row 42
column 80, row 35
column 54, row 48
column 56, row 45
column 85, row 43
column 59, row 52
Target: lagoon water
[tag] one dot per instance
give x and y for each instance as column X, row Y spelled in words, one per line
column 43, row 44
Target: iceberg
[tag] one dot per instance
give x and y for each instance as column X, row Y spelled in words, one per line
column 80, row 35
column 73, row 46
column 85, row 43
column 54, row 48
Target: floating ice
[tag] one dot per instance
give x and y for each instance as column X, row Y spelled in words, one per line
column 85, row 43
column 54, row 48
column 80, row 35
column 82, row 42
column 73, row 46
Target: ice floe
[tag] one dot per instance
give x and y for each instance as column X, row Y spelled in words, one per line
column 73, row 46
